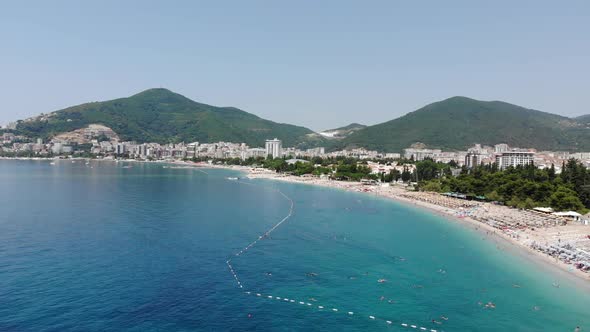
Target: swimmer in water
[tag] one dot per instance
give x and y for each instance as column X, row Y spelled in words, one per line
column 268, row 274
column 382, row 281
column 351, row 277
column 536, row 308
column 516, row 285
column 382, row 298
column 444, row 318
column 436, row 322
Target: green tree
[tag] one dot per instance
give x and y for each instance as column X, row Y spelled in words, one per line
column 565, row 199
column 406, row 175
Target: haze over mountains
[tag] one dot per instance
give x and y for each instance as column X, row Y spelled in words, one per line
column 160, row 115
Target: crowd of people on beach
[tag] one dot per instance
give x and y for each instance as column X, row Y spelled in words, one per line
column 546, row 233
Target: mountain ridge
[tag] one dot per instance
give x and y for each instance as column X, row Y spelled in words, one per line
column 160, row 115
column 457, row 122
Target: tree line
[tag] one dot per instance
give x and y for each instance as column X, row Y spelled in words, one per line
column 520, row 186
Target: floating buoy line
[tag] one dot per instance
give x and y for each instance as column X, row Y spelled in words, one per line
column 281, row 299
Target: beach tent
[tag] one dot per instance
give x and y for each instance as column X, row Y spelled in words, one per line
column 569, row 214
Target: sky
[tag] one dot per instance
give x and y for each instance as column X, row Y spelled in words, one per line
column 319, row 64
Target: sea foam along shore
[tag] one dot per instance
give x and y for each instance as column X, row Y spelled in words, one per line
column 520, row 239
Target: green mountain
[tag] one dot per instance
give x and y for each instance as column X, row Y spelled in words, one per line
column 160, row 115
column 459, row 122
column 583, row 119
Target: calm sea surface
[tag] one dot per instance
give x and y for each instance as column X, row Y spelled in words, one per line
column 101, row 247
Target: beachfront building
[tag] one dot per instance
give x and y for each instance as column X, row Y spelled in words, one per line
column 514, row 158
column 274, row 148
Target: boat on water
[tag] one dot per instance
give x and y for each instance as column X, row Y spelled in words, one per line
column 52, row 163
column 233, row 178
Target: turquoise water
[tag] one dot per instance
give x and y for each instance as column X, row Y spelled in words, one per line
column 108, row 248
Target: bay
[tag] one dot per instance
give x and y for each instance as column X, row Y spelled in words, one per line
column 104, row 247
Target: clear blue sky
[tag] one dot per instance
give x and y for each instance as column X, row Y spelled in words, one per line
column 319, row 64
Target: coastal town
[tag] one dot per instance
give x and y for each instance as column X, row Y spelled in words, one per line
column 295, row 166
column 98, row 141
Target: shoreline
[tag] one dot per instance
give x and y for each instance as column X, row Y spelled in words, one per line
column 520, row 245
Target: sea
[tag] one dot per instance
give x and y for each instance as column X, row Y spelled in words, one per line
column 105, row 246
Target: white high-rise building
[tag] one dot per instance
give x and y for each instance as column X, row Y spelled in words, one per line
column 120, row 148
column 274, row 148
column 514, row 158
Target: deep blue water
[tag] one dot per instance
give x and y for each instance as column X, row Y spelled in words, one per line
column 108, row 248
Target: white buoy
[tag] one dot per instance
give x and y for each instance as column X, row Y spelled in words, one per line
column 334, row 309
column 388, row 322
column 278, row 298
column 404, row 325
column 372, row 317
column 292, row 301
column 351, row 313
column 301, row 302
column 423, row 328
column 270, row 297
column 320, row 307
column 413, row 326
column 257, row 294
